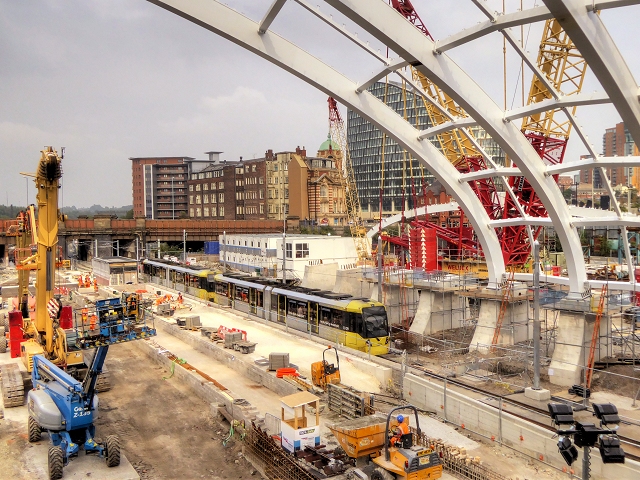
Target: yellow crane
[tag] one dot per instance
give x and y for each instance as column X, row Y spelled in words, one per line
column 337, row 131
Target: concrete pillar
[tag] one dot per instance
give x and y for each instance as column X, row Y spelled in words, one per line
column 515, row 326
column 439, row 310
column 573, row 342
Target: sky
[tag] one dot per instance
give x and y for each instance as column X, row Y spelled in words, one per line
column 114, row 79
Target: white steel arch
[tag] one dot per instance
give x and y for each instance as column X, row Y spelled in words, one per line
column 243, row 31
column 382, row 22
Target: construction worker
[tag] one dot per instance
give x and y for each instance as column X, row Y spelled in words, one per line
column 95, row 285
column 400, row 430
column 87, row 281
column 93, row 321
column 85, row 315
column 180, row 299
column 80, row 282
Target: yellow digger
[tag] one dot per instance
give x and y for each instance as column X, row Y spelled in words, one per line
column 324, row 373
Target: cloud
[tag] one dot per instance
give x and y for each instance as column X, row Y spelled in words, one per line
column 240, row 97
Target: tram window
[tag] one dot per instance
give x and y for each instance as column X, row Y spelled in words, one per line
column 274, row 302
column 338, row 317
column 297, row 309
column 325, row 315
column 259, row 299
column 221, row 288
column 242, row 294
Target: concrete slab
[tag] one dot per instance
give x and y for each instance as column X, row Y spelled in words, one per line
column 539, row 395
column 355, row 372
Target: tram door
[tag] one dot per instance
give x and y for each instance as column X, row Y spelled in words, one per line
column 282, row 308
column 252, row 300
column 313, row 317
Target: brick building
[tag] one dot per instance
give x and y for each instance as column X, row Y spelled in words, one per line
column 159, row 186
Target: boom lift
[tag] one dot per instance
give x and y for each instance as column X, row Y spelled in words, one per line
column 65, row 407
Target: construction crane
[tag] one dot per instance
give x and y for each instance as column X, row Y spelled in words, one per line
column 337, row 131
column 564, row 67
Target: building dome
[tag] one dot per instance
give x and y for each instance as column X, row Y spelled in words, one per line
column 328, row 144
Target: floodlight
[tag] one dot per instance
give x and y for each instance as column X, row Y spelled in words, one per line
column 568, row 451
column 587, row 434
column 610, row 449
column 607, row 413
column 561, row 413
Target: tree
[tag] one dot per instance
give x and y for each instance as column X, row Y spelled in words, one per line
column 129, row 214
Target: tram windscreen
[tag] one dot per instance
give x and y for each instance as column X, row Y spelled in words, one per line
column 375, row 322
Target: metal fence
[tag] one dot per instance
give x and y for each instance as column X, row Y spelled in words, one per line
column 266, row 455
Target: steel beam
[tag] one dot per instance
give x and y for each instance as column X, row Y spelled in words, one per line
column 391, row 67
column 577, row 100
column 446, row 126
column 598, row 162
column 271, row 15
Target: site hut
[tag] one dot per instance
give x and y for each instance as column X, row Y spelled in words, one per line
column 261, row 254
column 298, row 429
column 115, row 270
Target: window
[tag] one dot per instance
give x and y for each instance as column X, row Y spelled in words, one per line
column 221, row 198
column 191, row 188
column 288, row 250
column 191, row 212
column 198, row 200
column 214, row 212
column 261, row 193
column 302, row 250
column 323, row 190
column 198, row 187
column 205, row 186
column 261, row 181
column 220, row 185
column 261, row 209
column 191, row 200
column 221, row 211
column 206, row 211
column 213, row 186
column 198, row 212
column 207, row 175
column 205, row 198
column 213, row 198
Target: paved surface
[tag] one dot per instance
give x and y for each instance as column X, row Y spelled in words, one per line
column 302, row 352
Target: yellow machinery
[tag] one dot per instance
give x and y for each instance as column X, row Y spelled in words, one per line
column 338, row 134
column 46, row 336
column 324, row 373
column 369, row 437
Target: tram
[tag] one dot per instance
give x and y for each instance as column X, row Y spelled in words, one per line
column 358, row 323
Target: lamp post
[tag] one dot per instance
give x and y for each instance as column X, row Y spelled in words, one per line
column 587, row 435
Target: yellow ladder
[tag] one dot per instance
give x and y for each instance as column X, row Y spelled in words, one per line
column 506, row 293
column 594, row 337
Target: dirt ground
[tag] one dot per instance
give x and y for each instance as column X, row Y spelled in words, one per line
column 166, row 432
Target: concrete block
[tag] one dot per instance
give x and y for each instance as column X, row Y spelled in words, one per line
column 540, row 395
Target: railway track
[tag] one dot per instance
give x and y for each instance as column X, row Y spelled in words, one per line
column 630, row 445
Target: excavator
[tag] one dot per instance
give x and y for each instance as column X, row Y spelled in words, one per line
column 63, row 402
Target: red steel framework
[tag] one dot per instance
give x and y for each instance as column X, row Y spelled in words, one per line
column 559, row 60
